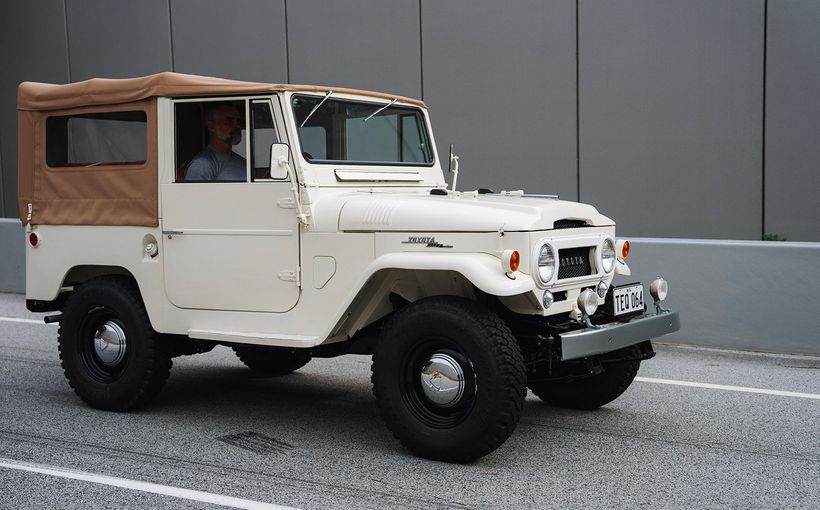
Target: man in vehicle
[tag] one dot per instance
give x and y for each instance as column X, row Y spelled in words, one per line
column 217, row 161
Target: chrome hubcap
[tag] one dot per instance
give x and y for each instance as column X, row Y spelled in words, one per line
column 109, row 343
column 442, row 380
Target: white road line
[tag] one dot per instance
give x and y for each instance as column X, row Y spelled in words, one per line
column 729, row 388
column 165, row 490
column 25, row 321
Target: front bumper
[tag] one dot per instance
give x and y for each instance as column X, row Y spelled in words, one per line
column 617, row 335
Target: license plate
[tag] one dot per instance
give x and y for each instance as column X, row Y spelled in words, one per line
column 628, row 299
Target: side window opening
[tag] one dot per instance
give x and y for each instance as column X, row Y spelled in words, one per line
column 210, row 141
column 93, row 139
column 264, row 135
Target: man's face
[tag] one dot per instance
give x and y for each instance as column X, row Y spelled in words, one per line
column 226, row 125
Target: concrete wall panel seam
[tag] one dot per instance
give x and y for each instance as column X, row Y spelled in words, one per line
column 421, row 55
column 287, row 44
column 2, row 183
column 763, row 116
column 577, row 106
column 67, row 42
column 171, row 34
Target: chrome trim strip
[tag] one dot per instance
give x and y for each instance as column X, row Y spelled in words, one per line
column 228, row 232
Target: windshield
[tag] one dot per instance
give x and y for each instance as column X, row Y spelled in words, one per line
column 336, row 130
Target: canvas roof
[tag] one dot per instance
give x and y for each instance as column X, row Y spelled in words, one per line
column 34, row 96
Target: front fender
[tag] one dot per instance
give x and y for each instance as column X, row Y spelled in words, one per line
column 481, row 269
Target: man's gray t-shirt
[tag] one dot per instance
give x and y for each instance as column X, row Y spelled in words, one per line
column 212, row 165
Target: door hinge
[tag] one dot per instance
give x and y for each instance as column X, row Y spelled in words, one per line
column 286, row 203
column 291, row 276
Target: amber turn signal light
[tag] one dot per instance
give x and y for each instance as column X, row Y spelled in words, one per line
column 515, row 260
column 622, row 248
column 510, row 260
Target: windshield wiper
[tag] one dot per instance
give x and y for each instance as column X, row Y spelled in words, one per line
column 380, row 109
column 329, row 93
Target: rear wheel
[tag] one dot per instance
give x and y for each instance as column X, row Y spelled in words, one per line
column 272, row 360
column 449, row 379
column 110, row 354
column 591, row 392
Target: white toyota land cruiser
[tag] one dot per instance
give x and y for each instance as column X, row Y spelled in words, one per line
column 317, row 222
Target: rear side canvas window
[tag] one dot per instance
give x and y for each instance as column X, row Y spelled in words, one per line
column 93, row 139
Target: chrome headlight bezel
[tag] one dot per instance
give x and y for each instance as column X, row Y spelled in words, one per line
column 539, row 277
column 607, row 255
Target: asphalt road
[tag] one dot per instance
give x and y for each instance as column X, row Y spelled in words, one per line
column 314, row 440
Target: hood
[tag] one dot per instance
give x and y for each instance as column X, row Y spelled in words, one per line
column 465, row 213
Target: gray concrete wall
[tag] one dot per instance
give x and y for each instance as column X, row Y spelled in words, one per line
column 652, row 109
column 677, row 118
column 792, row 181
column 750, row 295
column 118, row 39
column 499, row 78
column 360, row 44
column 671, row 105
column 12, row 256
column 2, row 199
column 32, row 48
column 245, row 41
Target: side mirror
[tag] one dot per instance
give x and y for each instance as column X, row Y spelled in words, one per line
column 279, row 160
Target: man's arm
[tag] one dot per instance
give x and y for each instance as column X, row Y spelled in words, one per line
column 200, row 169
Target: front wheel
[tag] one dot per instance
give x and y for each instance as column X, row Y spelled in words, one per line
column 449, row 379
column 111, row 356
column 591, row 392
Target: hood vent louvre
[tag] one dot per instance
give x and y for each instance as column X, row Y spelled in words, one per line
column 567, row 223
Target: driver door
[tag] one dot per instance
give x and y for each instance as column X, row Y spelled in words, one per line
column 231, row 245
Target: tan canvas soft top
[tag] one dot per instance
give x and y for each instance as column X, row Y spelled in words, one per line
column 101, row 91
column 112, row 194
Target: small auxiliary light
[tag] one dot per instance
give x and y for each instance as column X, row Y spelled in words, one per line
column 588, row 302
column 33, row 239
column 601, row 289
column 548, row 299
column 659, row 288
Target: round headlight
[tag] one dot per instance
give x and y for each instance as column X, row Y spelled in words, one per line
column 608, row 255
column 588, row 302
column 546, row 263
column 659, row 288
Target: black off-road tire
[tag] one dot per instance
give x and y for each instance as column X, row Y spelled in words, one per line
column 493, row 373
column 145, row 364
column 592, row 392
column 272, row 360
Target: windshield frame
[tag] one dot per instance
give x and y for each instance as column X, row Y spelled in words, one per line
column 376, row 104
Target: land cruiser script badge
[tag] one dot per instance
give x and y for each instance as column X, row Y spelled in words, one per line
column 429, row 241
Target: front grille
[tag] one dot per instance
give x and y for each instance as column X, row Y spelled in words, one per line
column 574, row 262
column 567, row 223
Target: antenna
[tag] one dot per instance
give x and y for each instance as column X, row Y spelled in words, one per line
column 453, row 167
